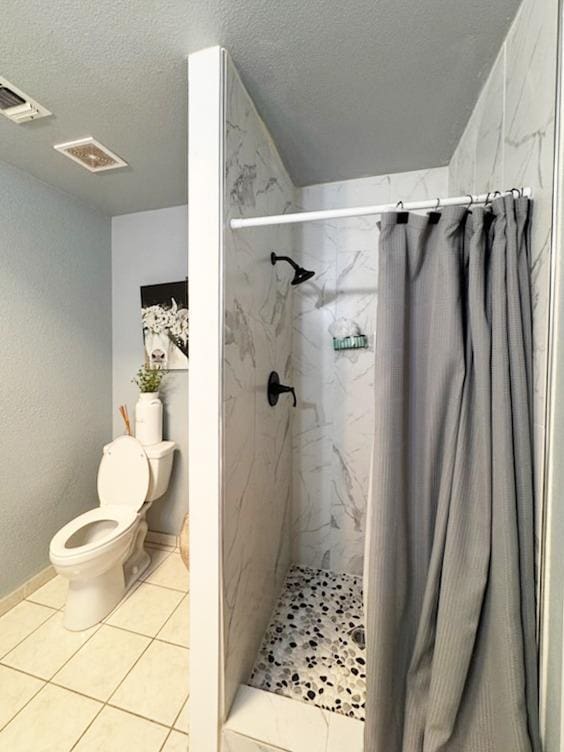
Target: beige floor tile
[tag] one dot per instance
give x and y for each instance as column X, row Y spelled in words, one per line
column 45, row 650
column 172, row 574
column 53, row 593
column 176, row 742
column 157, row 685
column 15, row 690
column 146, row 610
column 158, row 556
column 116, row 731
column 183, row 721
column 52, row 722
column 177, row 628
column 127, row 596
column 19, row 622
column 100, row 665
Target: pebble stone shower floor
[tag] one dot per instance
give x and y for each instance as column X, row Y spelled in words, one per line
column 308, row 652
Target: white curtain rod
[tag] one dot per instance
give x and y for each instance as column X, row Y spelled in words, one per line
column 361, row 211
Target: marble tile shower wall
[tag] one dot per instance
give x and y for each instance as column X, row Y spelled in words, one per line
column 509, row 141
column 333, row 429
column 257, row 439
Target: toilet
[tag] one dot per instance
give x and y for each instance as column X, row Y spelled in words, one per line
column 101, row 552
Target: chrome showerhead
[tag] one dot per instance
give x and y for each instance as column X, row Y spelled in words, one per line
column 300, row 274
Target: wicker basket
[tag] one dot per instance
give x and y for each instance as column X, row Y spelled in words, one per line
column 184, row 541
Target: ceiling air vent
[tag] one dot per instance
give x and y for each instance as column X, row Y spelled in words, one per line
column 17, row 106
column 91, row 154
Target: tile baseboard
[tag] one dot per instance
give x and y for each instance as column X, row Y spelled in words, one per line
column 155, row 539
column 30, row 586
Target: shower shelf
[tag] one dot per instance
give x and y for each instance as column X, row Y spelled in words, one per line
column 350, row 343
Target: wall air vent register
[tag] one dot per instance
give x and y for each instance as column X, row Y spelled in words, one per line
column 17, row 106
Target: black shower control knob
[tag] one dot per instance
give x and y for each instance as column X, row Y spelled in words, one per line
column 275, row 389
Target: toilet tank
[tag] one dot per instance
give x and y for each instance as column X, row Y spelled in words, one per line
column 160, row 458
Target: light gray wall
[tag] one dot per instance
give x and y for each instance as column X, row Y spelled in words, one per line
column 147, row 248
column 56, row 366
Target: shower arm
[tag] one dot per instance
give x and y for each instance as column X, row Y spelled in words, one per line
column 274, row 258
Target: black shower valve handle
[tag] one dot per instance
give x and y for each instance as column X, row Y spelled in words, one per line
column 282, row 389
column 275, row 389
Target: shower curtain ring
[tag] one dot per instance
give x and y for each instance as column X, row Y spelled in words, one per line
column 471, row 197
column 398, row 205
column 487, row 201
column 438, row 204
column 519, row 194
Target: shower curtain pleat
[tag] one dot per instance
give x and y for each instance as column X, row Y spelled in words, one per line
column 451, row 654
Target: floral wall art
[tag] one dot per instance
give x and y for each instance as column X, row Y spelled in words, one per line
column 165, row 317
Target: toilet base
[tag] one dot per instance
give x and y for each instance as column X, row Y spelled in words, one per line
column 139, row 559
column 91, row 600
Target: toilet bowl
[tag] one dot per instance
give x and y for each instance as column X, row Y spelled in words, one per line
column 101, row 552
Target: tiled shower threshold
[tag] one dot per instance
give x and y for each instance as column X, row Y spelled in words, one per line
column 291, row 725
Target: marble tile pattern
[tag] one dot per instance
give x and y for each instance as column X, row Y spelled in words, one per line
column 308, row 652
column 509, row 141
column 265, row 722
column 333, row 428
column 233, row 742
column 257, row 439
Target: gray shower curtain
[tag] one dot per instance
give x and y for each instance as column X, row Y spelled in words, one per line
column 451, row 653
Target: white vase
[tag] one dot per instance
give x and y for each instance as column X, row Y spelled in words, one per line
column 149, row 419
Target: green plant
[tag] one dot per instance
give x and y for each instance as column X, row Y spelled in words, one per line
column 149, row 379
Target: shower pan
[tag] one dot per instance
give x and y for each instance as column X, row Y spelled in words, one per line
column 311, row 650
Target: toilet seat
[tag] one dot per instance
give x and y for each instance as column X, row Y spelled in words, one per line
column 123, row 475
column 96, row 539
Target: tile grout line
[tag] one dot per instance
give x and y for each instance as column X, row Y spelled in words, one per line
column 164, row 587
column 41, row 688
column 55, row 611
column 169, row 618
column 103, row 703
column 180, row 711
column 98, row 627
column 46, row 681
column 106, row 703
column 113, row 626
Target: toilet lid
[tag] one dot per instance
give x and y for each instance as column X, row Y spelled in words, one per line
column 123, row 476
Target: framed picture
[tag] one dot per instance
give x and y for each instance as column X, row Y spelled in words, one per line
column 164, row 313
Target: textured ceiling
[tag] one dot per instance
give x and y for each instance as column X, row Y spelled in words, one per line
column 347, row 89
